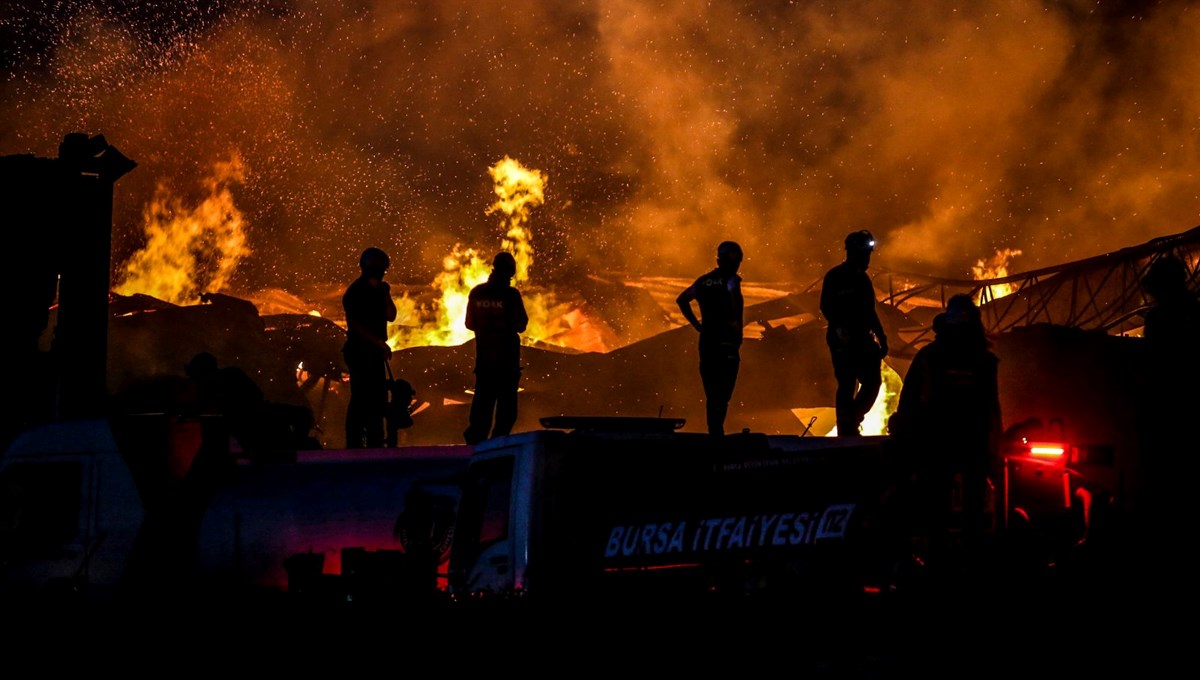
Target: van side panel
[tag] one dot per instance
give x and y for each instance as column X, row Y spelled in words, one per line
column 646, row 516
column 328, row 516
column 70, row 514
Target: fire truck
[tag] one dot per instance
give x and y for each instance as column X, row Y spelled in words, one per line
column 614, row 508
column 585, row 509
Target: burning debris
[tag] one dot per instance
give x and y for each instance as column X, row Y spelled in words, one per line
column 596, row 345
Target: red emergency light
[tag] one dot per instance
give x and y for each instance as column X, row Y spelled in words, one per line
column 1046, row 450
column 1041, row 471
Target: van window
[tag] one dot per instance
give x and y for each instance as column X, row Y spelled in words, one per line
column 39, row 506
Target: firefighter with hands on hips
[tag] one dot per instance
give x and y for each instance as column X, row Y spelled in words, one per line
column 855, row 336
column 369, row 308
column 719, row 296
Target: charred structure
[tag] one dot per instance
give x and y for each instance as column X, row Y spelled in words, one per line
column 63, row 205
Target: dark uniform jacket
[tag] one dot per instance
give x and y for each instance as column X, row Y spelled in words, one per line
column 950, row 405
column 366, row 306
column 496, row 312
column 848, row 304
column 722, row 318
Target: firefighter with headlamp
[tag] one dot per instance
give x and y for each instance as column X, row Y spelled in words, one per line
column 855, row 336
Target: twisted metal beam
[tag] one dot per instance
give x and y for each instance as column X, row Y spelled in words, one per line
column 1098, row 293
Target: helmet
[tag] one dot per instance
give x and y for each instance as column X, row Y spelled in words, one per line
column 960, row 308
column 201, row 365
column 505, row 264
column 1166, row 275
column 860, row 240
column 374, row 260
column 729, row 250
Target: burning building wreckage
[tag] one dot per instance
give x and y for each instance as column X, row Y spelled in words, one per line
column 598, row 345
column 605, row 345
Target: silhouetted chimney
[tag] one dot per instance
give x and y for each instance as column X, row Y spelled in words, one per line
column 60, row 212
column 90, row 166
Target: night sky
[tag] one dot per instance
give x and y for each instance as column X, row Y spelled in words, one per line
column 953, row 130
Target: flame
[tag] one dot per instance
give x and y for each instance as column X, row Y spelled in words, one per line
column 994, row 268
column 189, row 251
column 518, row 190
column 875, row 422
column 441, row 323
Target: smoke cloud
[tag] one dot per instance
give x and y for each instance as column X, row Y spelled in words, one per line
column 951, row 130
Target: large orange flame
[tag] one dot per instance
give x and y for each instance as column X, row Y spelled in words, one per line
column 518, row 190
column 994, row 268
column 189, row 250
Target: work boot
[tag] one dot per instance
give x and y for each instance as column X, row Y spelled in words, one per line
column 472, row 436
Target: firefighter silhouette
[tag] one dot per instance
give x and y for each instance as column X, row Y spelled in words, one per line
column 855, row 336
column 719, row 296
column 369, row 308
column 496, row 314
column 1170, row 402
column 948, row 425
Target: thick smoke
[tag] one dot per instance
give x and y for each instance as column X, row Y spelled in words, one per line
column 952, row 130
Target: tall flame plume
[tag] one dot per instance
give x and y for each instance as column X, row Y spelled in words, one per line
column 518, row 191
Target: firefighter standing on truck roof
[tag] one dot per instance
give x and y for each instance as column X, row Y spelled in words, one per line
column 857, row 343
column 369, row 308
column 719, row 294
column 496, row 312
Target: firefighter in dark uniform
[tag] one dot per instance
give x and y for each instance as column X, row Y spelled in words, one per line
column 947, row 422
column 369, row 308
column 719, row 295
column 1166, row 465
column 496, row 313
column 857, row 343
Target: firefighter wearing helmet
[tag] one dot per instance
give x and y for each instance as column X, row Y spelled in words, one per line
column 496, row 313
column 855, row 336
column 719, row 296
column 1166, row 472
column 369, row 308
column 948, row 425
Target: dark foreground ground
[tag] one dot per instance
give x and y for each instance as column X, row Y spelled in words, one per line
column 1111, row 625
